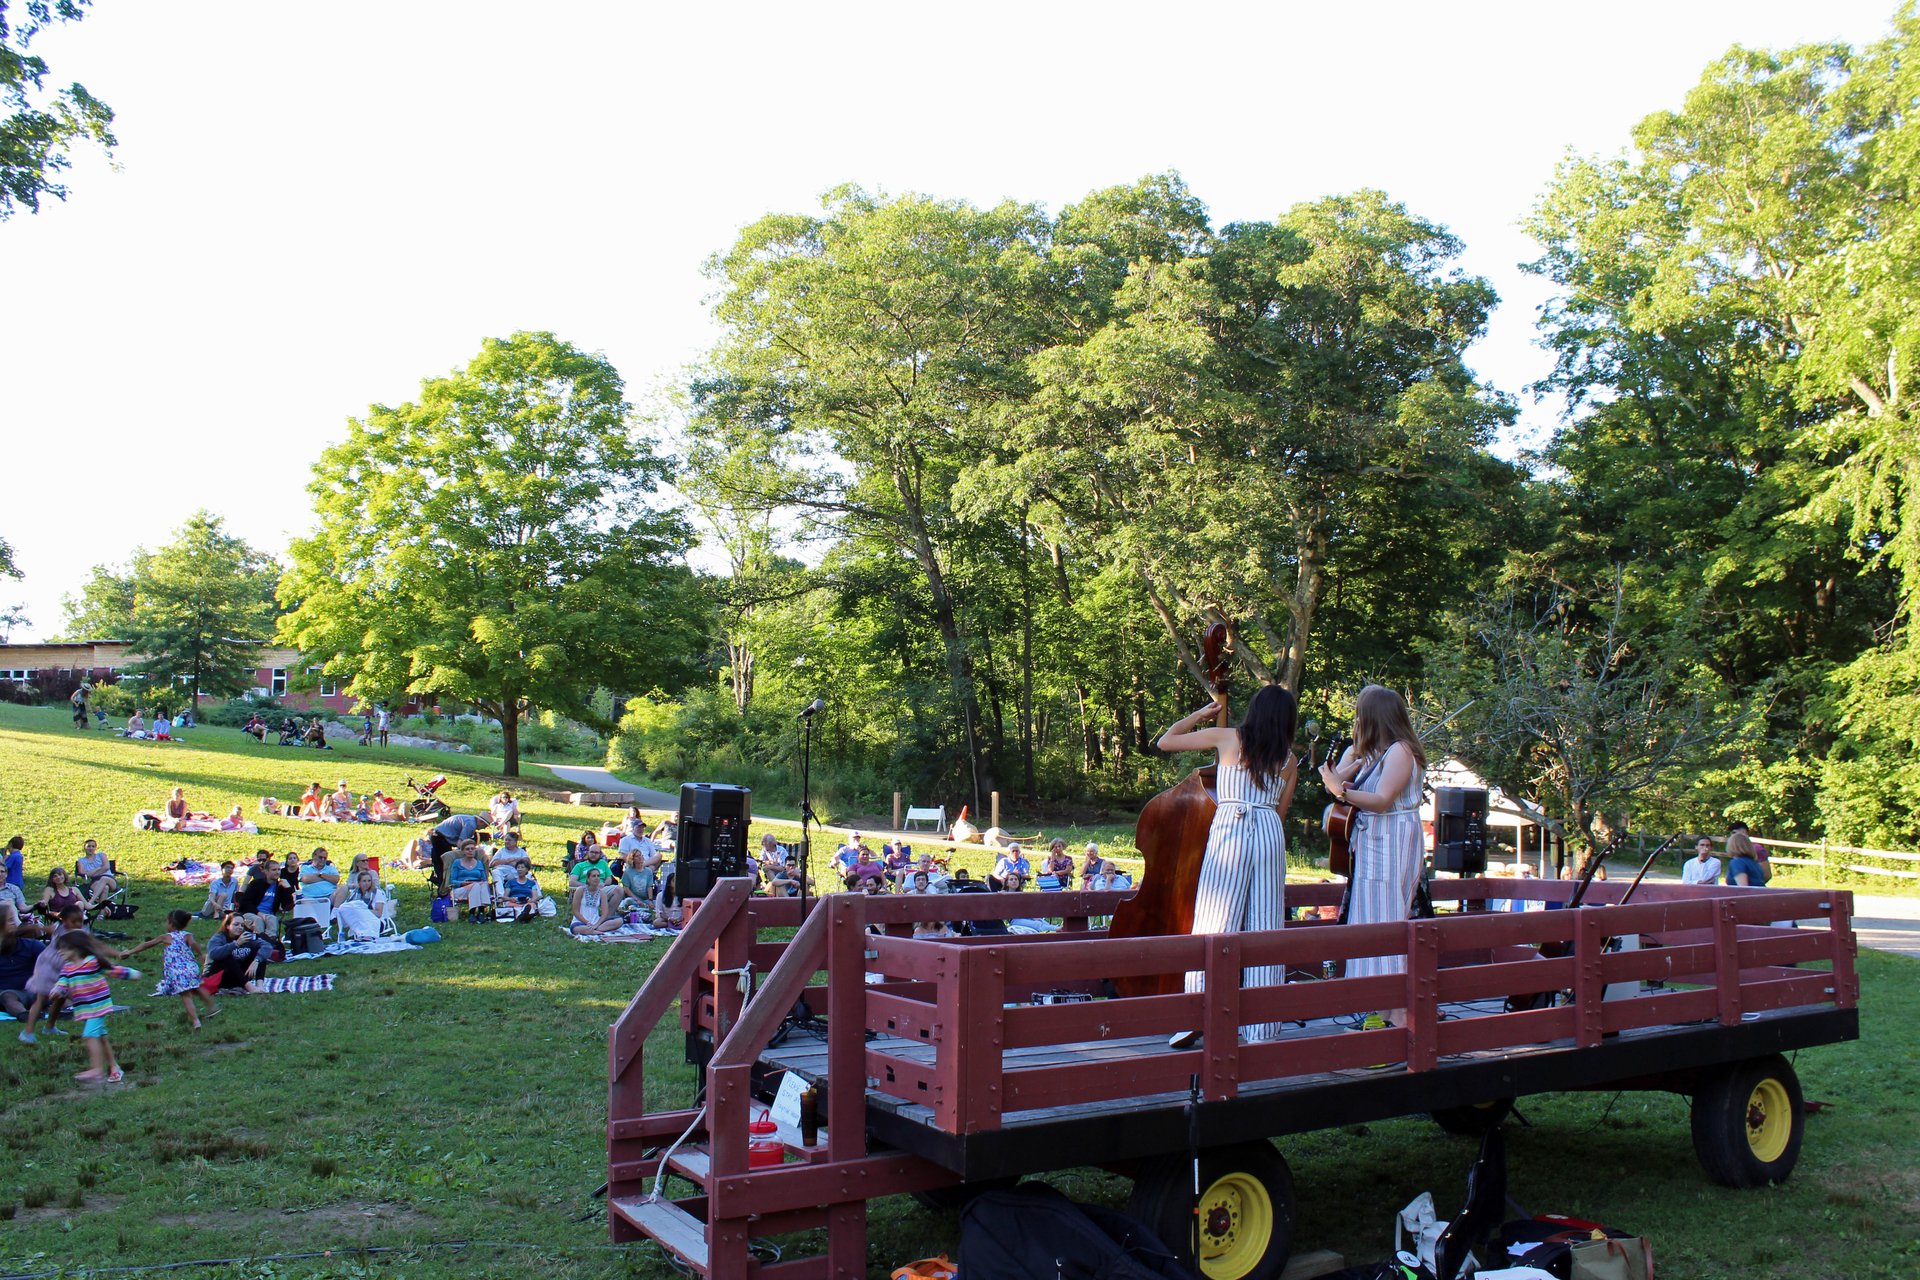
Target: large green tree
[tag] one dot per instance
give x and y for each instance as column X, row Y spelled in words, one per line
column 103, row 610
column 41, row 129
column 200, row 608
column 501, row 541
column 873, row 343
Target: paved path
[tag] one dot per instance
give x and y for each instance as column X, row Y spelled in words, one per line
column 1888, row 923
column 589, row 778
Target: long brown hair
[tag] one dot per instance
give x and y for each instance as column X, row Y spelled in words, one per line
column 1380, row 719
column 1266, row 735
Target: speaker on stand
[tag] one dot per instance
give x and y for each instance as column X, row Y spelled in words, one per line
column 1460, row 830
column 711, row 841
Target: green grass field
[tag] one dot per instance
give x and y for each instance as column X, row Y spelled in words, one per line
column 457, row 1093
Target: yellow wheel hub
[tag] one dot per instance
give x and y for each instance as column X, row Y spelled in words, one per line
column 1236, row 1226
column 1769, row 1120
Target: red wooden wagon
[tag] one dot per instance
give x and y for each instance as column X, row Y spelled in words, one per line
column 937, row 1072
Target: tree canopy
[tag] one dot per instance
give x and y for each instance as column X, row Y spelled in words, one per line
column 41, row 129
column 199, row 609
column 501, row 541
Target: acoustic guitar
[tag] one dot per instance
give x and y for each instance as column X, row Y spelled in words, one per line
column 1338, row 818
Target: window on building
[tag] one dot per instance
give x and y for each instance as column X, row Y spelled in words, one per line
column 327, row 685
column 278, row 687
column 18, row 675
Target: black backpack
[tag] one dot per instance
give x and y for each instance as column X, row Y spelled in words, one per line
column 1035, row 1233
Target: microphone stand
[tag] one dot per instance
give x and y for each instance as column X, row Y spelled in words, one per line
column 806, row 810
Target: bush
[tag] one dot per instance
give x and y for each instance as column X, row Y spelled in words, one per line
column 52, row 686
column 114, row 700
column 234, row 712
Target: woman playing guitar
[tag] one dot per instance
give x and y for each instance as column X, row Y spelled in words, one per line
column 1243, row 873
column 1380, row 776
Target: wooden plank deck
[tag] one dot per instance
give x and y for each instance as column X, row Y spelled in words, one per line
column 1118, row 1129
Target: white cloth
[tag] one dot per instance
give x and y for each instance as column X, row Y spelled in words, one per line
column 356, row 921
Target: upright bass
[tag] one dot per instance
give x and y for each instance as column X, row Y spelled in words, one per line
column 1172, row 837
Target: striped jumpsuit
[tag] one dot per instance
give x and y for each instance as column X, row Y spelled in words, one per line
column 1243, row 876
column 1386, row 867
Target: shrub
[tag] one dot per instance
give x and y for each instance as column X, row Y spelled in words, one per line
column 234, row 712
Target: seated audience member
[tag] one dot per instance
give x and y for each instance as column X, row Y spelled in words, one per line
column 1092, row 864
column 319, row 879
column 365, row 904
column 1010, row 863
column 505, row 811
column 339, row 806
column 920, row 883
column 312, row 802
column 162, row 727
column 220, row 893
column 594, row 907
column 238, row 954
column 363, row 809
column 1108, row 876
column 846, row 857
column 667, row 834
column 44, row 981
column 289, row 879
column 58, row 895
column 640, row 877
column 510, row 852
column 588, row 855
column 933, row 929
column 867, row 872
column 235, row 821
column 383, row 808
column 467, row 876
column 136, row 725
column 14, row 865
column 17, row 959
column 1702, row 867
column 316, row 735
column 784, row 880
column 1013, row 882
column 523, row 891
column 255, row 728
column 415, row 855
column 93, row 872
column 260, row 887
column 177, row 810
column 350, row 878
column 15, row 914
column 897, row 857
column 1059, row 865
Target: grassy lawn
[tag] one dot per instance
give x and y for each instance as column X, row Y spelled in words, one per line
column 458, row 1092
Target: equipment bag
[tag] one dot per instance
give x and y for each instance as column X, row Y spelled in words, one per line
column 1033, row 1232
column 305, row 937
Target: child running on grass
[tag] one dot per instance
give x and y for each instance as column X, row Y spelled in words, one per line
column 181, row 965
column 83, row 984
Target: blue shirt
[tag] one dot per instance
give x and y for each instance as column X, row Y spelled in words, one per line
column 460, row 873
column 520, row 890
column 16, row 869
column 458, row 828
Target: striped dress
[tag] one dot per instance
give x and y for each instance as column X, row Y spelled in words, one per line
column 84, row 984
column 1386, row 867
column 1243, row 876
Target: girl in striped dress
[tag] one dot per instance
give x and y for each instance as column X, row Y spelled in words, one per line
column 1243, row 874
column 1381, row 775
column 83, row 986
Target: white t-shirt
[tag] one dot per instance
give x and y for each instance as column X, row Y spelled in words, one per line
column 1698, row 872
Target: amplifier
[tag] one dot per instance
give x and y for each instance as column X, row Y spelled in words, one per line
column 1460, row 830
column 711, row 840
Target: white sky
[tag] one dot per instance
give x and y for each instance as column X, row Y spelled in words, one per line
column 318, row 206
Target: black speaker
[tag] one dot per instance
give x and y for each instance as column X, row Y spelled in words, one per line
column 711, row 840
column 1460, row 830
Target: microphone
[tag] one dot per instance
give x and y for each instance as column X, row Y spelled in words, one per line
column 818, row 704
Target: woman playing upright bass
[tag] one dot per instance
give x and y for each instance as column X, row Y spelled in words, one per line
column 1243, row 874
column 1380, row 775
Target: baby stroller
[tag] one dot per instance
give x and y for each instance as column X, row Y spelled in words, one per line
column 427, row 807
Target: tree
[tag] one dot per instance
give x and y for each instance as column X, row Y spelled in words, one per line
column 500, row 542
column 874, row 342
column 40, row 131
column 104, row 608
column 201, row 607
column 1574, row 706
column 8, row 569
column 14, row 615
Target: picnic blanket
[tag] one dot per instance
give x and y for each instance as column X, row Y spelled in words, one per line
column 625, row 933
column 296, row 986
column 189, row 872
column 365, row 947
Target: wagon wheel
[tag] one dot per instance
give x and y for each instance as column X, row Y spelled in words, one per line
column 1245, row 1216
column 1475, row 1119
column 1747, row 1123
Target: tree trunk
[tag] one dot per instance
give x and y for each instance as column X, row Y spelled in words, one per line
column 740, row 664
column 510, row 735
column 1026, row 664
column 1309, row 588
column 959, row 662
